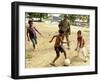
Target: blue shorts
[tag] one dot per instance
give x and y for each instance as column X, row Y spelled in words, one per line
column 34, row 40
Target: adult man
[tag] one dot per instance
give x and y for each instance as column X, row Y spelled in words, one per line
column 65, row 26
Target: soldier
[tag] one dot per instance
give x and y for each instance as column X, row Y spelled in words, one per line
column 65, row 26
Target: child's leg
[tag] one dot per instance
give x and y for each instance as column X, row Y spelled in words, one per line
column 33, row 42
column 78, row 50
column 84, row 53
column 57, row 56
column 65, row 54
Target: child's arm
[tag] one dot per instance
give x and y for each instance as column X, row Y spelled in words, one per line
column 38, row 31
column 52, row 38
column 28, row 34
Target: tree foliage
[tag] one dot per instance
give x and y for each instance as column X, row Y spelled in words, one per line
column 40, row 16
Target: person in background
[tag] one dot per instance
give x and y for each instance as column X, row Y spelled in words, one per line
column 64, row 25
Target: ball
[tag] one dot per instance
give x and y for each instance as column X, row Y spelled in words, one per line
column 67, row 62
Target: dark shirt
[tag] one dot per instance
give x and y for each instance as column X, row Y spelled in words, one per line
column 32, row 32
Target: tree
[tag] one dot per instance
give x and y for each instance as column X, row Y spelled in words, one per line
column 72, row 18
column 81, row 18
column 37, row 15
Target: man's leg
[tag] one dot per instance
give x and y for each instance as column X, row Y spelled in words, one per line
column 63, row 50
column 67, row 39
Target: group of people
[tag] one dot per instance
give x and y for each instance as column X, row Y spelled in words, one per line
column 64, row 31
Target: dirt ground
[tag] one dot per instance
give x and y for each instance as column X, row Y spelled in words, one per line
column 44, row 53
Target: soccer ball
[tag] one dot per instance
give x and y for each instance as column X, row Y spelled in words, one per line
column 67, row 62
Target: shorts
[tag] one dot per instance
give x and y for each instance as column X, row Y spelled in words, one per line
column 34, row 40
column 59, row 49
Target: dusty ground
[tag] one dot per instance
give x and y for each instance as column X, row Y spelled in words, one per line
column 44, row 53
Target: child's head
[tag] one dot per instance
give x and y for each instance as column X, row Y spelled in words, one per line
column 61, row 32
column 79, row 33
column 30, row 22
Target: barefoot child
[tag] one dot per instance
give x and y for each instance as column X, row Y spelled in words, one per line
column 31, row 33
column 58, row 45
column 80, row 44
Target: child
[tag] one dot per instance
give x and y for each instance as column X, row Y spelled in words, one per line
column 31, row 33
column 58, row 45
column 80, row 44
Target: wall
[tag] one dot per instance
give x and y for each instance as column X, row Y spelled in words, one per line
column 5, row 40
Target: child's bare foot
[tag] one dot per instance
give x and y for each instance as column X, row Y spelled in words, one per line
column 52, row 64
column 68, row 48
column 85, row 60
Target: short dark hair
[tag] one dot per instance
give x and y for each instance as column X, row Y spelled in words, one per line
column 30, row 21
column 79, row 32
column 65, row 16
column 61, row 31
